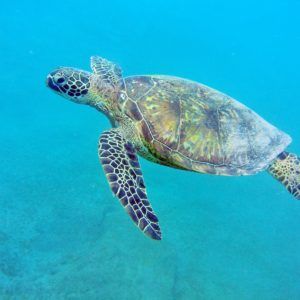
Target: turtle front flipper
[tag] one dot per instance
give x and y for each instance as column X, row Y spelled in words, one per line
column 108, row 72
column 120, row 163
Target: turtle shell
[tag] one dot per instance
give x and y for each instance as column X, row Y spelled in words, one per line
column 191, row 126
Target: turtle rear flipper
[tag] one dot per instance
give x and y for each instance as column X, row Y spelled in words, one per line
column 120, row 163
column 286, row 169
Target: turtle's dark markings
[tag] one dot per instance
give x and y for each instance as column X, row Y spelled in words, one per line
column 125, row 178
column 60, row 80
column 71, row 83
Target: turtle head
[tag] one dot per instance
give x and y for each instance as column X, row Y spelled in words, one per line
column 70, row 83
column 100, row 89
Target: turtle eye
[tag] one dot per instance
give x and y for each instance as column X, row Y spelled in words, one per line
column 60, row 80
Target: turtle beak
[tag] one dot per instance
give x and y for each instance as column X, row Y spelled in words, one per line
column 50, row 83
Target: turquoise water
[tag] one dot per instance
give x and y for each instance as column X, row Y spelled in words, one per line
column 63, row 235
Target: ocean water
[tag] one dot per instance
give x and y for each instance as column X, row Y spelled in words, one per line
column 63, row 235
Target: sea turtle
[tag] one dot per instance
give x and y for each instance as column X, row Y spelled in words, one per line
column 174, row 122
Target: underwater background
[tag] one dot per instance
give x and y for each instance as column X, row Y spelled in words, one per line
column 63, row 235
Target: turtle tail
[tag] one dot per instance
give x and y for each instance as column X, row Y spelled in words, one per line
column 286, row 169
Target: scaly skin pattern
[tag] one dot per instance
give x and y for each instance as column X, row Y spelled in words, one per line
column 286, row 169
column 71, row 82
column 190, row 126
